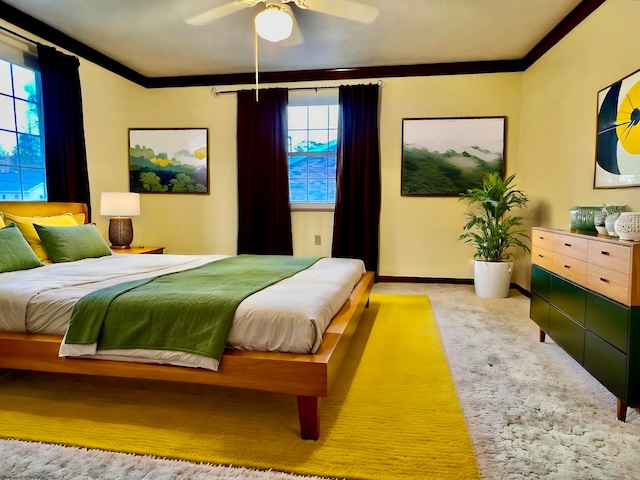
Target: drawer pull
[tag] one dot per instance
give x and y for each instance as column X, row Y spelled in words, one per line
column 541, row 256
column 567, row 266
column 604, row 253
column 604, row 280
column 567, row 244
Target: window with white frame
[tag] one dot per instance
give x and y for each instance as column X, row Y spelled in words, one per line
column 22, row 165
column 312, row 145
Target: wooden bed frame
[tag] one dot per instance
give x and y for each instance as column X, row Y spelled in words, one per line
column 307, row 376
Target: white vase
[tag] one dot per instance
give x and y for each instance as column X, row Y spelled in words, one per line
column 627, row 226
column 492, row 279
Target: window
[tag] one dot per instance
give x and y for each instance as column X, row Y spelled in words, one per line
column 312, row 144
column 22, row 167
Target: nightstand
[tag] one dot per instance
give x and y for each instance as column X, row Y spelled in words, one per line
column 139, row 250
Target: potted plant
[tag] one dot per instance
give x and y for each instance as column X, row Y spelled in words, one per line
column 496, row 234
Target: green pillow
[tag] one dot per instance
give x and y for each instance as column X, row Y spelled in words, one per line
column 15, row 252
column 68, row 244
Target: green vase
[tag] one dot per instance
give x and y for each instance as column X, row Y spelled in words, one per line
column 581, row 218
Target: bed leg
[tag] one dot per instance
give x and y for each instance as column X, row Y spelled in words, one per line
column 309, row 418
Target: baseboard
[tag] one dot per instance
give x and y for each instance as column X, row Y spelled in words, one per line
column 456, row 281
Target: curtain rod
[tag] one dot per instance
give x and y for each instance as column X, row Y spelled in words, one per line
column 27, row 40
column 216, row 93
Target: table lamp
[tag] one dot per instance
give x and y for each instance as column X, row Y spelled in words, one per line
column 121, row 206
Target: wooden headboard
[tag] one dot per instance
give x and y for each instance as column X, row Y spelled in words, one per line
column 44, row 209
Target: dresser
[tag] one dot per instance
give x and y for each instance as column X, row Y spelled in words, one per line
column 585, row 294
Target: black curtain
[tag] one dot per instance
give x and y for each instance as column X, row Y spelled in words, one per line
column 357, row 213
column 64, row 146
column 264, row 216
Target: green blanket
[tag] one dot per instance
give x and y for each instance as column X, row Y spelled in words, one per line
column 188, row 311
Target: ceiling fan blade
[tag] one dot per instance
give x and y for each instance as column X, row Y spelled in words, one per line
column 296, row 37
column 358, row 12
column 217, row 12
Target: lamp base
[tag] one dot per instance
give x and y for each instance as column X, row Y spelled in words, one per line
column 120, row 232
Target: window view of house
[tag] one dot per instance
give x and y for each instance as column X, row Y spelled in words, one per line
column 312, row 142
column 22, row 168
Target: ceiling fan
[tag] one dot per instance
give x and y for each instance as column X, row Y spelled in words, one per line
column 276, row 10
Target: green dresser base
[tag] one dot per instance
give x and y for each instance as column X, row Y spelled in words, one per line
column 600, row 334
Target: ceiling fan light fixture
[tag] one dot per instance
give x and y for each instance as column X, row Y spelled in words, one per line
column 274, row 24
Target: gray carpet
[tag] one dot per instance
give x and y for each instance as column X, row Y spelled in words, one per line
column 532, row 411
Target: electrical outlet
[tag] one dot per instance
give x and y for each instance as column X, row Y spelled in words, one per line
column 318, row 240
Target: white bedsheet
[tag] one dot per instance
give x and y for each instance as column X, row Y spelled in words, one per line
column 289, row 316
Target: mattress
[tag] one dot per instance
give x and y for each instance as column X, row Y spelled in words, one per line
column 289, row 316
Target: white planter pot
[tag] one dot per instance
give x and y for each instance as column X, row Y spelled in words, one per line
column 492, row 279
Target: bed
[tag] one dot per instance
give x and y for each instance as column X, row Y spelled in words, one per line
column 308, row 376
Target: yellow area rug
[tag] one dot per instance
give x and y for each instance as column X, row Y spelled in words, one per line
column 393, row 412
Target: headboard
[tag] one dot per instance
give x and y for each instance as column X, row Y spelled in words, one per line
column 44, row 209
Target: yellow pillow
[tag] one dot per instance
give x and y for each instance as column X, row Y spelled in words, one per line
column 25, row 224
column 2, row 221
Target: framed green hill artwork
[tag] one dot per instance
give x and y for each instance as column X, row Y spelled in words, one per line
column 172, row 160
column 448, row 156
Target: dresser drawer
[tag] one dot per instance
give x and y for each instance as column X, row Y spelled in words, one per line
column 567, row 333
column 607, row 319
column 570, row 268
column 609, row 283
column 570, row 246
column 541, row 256
column 568, row 297
column 542, row 239
column 608, row 255
column 606, row 363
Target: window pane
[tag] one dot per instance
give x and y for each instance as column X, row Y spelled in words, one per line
column 318, row 140
column 298, row 190
column 333, row 140
column 10, row 185
column 27, row 117
column 298, row 141
column 7, row 120
column 30, row 152
column 297, row 117
column 331, row 164
column 318, row 167
column 8, row 142
column 33, row 184
column 24, row 81
column 297, row 167
column 333, row 116
column 317, row 190
column 331, row 194
column 319, row 116
column 5, row 78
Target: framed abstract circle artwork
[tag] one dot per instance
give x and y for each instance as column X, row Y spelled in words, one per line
column 618, row 136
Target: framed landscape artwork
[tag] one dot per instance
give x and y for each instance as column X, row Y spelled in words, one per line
column 448, row 156
column 618, row 135
column 173, row 160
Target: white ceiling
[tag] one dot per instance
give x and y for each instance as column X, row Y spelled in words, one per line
column 151, row 37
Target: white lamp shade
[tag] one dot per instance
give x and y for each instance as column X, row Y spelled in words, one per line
column 274, row 24
column 119, row 204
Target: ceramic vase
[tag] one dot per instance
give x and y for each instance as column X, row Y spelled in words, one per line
column 627, row 226
column 610, row 222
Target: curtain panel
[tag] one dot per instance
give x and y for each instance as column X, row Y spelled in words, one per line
column 64, row 143
column 358, row 186
column 264, row 216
